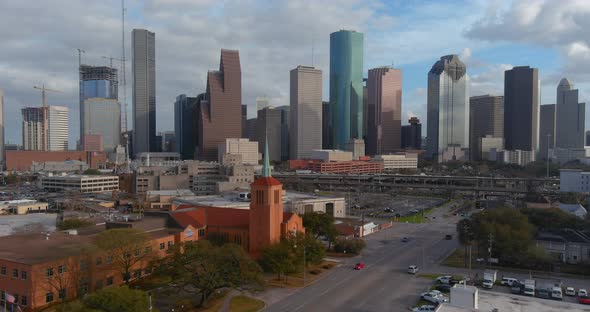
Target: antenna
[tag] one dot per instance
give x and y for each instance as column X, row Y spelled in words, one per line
column 312, row 48
column 124, row 84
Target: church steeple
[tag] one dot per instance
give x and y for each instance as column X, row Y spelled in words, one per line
column 266, row 163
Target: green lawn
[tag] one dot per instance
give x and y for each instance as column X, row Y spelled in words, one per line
column 245, row 304
column 456, row 259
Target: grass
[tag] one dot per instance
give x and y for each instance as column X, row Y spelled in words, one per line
column 296, row 279
column 212, row 305
column 455, row 259
column 245, row 304
column 435, row 275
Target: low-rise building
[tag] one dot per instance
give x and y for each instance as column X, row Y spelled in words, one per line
column 59, row 166
column 23, row 160
column 81, row 183
column 301, row 203
column 518, row 157
column 399, row 161
column 566, row 246
column 574, row 180
column 237, row 146
column 574, row 209
column 23, row 206
column 331, row 155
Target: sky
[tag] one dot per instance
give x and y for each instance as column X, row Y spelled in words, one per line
column 39, row 41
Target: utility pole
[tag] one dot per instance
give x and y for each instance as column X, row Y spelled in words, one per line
column 490, row 243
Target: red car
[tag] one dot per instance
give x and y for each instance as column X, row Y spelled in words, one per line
column 584, row 300
column 359, row 266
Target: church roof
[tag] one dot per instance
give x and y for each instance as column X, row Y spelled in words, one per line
column 266, row 181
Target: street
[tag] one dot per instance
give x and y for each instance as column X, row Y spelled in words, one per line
column 384, row 284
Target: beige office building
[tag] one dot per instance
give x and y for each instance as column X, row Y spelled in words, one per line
column 306, row 111
column 236, row 146
column 399, row 161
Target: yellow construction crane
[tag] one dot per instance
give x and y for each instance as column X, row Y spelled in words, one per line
column 43, row 89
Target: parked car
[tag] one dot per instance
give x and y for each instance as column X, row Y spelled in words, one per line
column 582, row 292
column 570, row 291
column 445, row 279
column 584, row 299
column 444, row 287
column 517, row 288
column 543, row 293
column 434, row 296
column 508, row 281
column 425, row 308
column 359, row 266
column 413, row 269
column 405, row 240
column 448, row 237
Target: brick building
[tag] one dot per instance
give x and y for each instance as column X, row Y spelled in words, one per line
column 23, row 160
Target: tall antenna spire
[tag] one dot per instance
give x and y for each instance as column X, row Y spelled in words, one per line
column 124, row 85
column 266, row 163
column 312, row 48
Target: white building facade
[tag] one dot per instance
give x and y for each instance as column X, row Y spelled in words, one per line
column 305, row 111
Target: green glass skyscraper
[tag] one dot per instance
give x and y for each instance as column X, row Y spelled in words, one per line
column 346, row 87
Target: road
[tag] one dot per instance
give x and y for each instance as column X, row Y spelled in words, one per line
column 384, row 284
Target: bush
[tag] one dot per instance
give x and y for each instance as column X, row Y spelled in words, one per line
column 353, row 246
column 74, row 223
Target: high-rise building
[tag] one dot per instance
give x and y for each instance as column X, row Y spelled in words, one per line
column 285, row 121
column 102, row 116
column 486, row 118
column 588, row 138
column 1, row 129
column 326, row 134
column 268, row 132
column 346, row 87
column 248, row 150
column 412, row 134
column 570, row 117
column 168, row 141
column 244, row 118
column 144, row 90
column 57, row 128
column 546, row 130
column 220, row 114
column 306, row 111
column 251, row 125
column 448, row 109
column 521, row 109
column 96, row 82
column 384, row 96
column 185, row 125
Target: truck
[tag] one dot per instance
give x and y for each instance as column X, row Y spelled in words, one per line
column 489, row 278
column 529, row 288
column 549, row 289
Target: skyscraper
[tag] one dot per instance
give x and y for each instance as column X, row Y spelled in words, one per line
column 185, row 125
column 546, row 130
column 144, row 90
column 103, row 116
column 384, row 96
column 521, row 109
column 220, row 114
column 285, row 121
column 306, row 111
column 346, row 87
column 486, row 119
column 96, row 82
column 326, row 133
column 570, row 117
column 448, row 109
column 268, row 131
column 244, row 118
column 1, row 128
column 57, row 128
column 412, row 134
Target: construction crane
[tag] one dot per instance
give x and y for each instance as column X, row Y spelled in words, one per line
column 44, row 124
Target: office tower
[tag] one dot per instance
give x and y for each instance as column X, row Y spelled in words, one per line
column 220, row 114
column 384, row 98
column 57, row 128
column 244, row 118
column 448, row 109
column 588, row 138
column 346, row 87
column 326, row 134
column 546, row 130
column 96, row 82
column 248, row 150
column 306, row 111
column 268, row 131
column 521, row 109
column 251, row 125
column 412, row 134
column 570, row 117
column 1, row 129
column 168, row 141
column 185, row 125
column 285, row 141
column 486, row 118
column 262, row 102
column 102, row 116
column 144, row 90
column 365, row 109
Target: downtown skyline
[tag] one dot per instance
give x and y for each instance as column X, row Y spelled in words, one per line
column 187, row 48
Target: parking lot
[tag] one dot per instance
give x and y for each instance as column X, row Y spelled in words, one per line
column 384, row 206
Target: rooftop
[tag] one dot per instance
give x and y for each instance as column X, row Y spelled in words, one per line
column 488, row 301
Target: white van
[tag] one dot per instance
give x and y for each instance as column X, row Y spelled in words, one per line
column 413, row 269
column 556, row 293
column 508, row 281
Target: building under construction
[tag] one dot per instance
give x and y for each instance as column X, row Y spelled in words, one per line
column 96, row 82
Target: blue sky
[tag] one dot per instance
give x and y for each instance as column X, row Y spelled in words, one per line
column 276, row 36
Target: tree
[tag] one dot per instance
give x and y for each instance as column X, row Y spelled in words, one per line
column 465, row 230
column 351, row 246
column 554, row 218
column 112, row 299
column 278, row 259
column 73, row 223
column 127, row 248
column 91, row 171
column 318, row 223
column 69, row 276
column 202, row 268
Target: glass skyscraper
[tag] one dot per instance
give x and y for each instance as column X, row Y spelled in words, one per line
column 346, row 87
column 448, row 110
